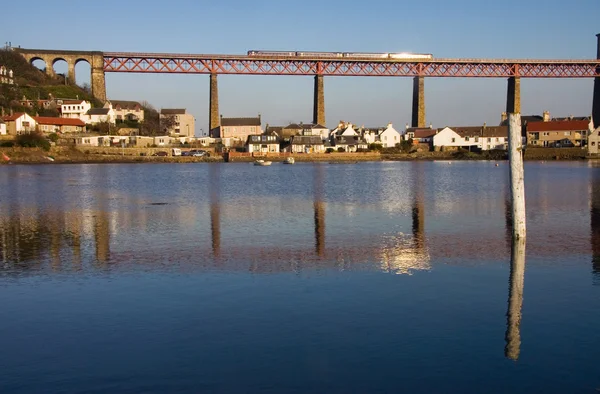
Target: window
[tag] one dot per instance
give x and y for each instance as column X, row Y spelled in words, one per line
column 466, row 138
column 476, row 139
column 453, row 139
column 497, row 139
column 489, row 140
column 567, row 133
column 593, row 143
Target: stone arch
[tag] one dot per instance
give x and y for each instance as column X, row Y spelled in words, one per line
column 33, row 59
column 82, row 68
column 63, row 69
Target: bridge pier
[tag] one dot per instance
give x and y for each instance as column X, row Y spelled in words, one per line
column 319, row 101
column 513, row 97
column 98, row 80
column 213, row 116
column 596, row 102
column 71, row 73
column 418, row 104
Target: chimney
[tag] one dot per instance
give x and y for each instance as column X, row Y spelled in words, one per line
column 503, row 117
column 546, row 116
column 406, row 127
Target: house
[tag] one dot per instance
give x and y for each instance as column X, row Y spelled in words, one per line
column 19, row 123
column 99, row 115
column 477, row 137
column 177, row 122
column 2, row 127
column 290, row 130
column 273, row 130
column 349, row 143
column 59, row 125
column 593, row 145
column 410, row 132
column 343, row 129
column 6, row 76
column 558, row 133
column 315, row 129
column 307, row 144
column 422, row 135
column 262, row 144
column 74, row 109
column 389, row 137
column 239, row 128
column 93, row 140
column 126, row 110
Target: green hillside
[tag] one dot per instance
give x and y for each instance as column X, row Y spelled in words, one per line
column 33, row 84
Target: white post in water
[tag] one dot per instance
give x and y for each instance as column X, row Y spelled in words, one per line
column 517, row 182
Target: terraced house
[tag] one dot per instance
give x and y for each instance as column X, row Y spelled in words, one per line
column 557, row 133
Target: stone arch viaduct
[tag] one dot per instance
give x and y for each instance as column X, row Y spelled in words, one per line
column 94, row 58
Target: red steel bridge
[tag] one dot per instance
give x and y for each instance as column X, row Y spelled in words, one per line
column 319, row 67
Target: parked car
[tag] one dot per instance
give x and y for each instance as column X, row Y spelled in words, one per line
column 198, row 153
column 160, row 153
column 186, row 153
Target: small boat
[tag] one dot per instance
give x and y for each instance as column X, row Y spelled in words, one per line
column 262, row 163
column 289, row 160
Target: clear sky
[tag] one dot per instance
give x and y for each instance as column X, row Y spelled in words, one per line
column 461, row 28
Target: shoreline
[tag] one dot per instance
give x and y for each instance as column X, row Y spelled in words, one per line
column 75, row 156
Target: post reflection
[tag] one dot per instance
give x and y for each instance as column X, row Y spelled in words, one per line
column 515, row 300
column 319, row 210
column 418, row 208
column 595, row 222
column 214, row 174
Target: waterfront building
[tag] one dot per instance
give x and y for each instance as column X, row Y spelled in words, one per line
column 348, row 143
column 389, row 136
column 594, row 142
column 59, row 125
column 183, row 124
column 306, row 144
column 126, row 110
column 74, row 109
column 2, row 127
column 262, row 144
column 558, row 133
column 471, row 137
column 100, row 115
column 19, row 123
column 315, row 129
column 238, row 128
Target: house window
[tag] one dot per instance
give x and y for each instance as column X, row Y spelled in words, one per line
column 497, row 139
column 593, row 143
column 476, row 139
column 489, row 140
column 466, row 138
column 453, row 139
column 567, row 133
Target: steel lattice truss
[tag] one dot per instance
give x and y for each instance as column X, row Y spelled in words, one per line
column 227, row 64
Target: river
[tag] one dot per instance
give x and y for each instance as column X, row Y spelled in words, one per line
column 314, row 277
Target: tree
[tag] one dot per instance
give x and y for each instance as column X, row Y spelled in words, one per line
column 33, row 140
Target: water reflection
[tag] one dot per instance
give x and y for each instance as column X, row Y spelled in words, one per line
column 595, row 223
column 515, row 300
column 319, row 210
column 214, row 176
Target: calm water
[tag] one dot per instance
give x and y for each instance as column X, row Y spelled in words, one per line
column 324, row 278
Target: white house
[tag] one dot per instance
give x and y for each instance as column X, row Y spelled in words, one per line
column 74, row 109
column 19, row 123
column 389, row 137
column 315, row 129
column 93, row 140
column 100, row 115
column 447, row 137
column 478, row 137
column 2, row 127
column 262, row 144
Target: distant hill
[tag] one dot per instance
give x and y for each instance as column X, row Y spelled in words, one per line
column 34, row 84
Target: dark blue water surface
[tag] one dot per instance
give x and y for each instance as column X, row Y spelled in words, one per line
column 322, row 278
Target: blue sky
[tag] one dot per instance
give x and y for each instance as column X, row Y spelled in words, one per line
column 460, row 28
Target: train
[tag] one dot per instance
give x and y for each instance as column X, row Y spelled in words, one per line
column 354, row 55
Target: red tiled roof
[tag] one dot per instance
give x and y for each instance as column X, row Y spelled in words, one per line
column 59, row 121
column 12, row 117
column 425, row 133
column 558, row 125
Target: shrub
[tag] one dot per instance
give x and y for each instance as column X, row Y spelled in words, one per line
column 329, row 150
column 53, row 137
column 341, row 150
column 7, row 144
column 376, row 147
column 33, row 140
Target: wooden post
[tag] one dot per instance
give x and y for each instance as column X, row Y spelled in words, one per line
column 517, row 182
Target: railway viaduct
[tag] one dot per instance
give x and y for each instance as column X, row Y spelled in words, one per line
column 319, row 67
